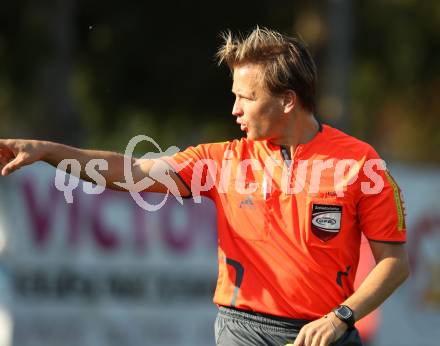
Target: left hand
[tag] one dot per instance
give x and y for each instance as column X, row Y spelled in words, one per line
column 320, row 332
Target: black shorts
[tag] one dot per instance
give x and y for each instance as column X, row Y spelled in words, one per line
column 235, row 327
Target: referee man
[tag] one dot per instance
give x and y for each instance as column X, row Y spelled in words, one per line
column 293, row 198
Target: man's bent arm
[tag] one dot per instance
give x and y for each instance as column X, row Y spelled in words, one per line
column 391, row 270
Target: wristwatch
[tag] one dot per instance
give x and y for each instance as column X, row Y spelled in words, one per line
column 345, row 314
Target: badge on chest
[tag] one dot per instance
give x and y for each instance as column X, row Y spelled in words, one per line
column 326, row 221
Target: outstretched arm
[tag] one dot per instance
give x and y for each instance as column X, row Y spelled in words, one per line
column 16, row 153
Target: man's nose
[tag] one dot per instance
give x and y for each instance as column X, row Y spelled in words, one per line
column 237, row 110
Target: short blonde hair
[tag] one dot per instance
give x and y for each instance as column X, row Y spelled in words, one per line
column 287, row 63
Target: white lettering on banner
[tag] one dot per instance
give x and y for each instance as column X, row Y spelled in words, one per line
column 139, row 285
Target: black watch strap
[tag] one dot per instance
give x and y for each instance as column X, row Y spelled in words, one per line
column 345, row 314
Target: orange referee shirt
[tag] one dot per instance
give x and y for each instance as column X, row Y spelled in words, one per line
column 289, row 230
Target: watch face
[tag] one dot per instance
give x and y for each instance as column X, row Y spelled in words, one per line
column 344, row 312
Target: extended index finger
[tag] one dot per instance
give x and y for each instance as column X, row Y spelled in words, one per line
column 299, row 341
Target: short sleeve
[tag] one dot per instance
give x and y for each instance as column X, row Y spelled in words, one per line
column 381, row 211
column 198, row 166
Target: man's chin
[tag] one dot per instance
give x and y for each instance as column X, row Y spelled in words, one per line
column 252, row 137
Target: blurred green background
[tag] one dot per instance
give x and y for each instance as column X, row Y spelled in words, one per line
column 96, row 73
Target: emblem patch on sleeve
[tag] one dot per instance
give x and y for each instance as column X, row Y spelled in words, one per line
column 326, row 221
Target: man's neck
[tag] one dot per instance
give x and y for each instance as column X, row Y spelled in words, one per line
column 303, row 129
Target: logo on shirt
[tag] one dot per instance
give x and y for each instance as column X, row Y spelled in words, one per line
column 326, row 221
column 247, row 202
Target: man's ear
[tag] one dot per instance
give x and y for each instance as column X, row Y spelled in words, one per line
column 289, row 101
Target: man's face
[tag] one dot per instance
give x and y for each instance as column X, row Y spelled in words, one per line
column 258, row 112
